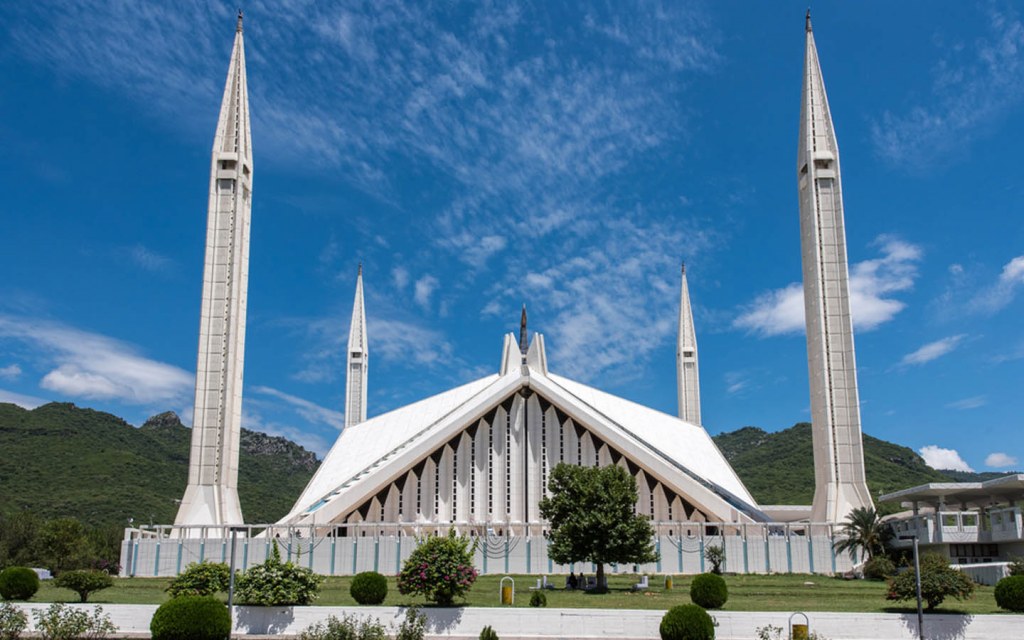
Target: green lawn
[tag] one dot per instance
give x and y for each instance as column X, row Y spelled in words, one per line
column 746, row 593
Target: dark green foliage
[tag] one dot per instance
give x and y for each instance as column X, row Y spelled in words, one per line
column 191, row 618
column 18, row 583
column 538, row 599
column 440, row 569
column 1010, row 593
column 687, row 622
column 369, row 587
column 277, row 584
column 715, row 554
column 593, row 518
column 938, row 581
column 12, row 621
column 879, row 568
column 1016, row 567
column 865, row 532
column 201, row 579
column 709, row 591
column 84, row 582
column 487, row 633
column 61, row 460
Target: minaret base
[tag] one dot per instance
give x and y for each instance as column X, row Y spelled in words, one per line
column 833, row 502
column 209, row 505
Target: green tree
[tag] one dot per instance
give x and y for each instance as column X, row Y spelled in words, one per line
column 938, row 580
column 593, row 518
column 865, row 531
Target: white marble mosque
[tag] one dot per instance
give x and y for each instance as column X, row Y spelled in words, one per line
column 477, row 457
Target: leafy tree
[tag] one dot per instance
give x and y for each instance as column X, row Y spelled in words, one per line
column 593, row 518
column 84, row 582
column 865, row 531
column 440, row 568
column 715, row 554
column 938, row 580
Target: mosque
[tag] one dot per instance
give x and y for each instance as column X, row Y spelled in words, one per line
column 477, row 457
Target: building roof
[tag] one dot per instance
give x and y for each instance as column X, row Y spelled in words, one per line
column 371, row 454
column 1009, row 487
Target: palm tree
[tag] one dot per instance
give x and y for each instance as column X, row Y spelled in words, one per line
column 864, row 530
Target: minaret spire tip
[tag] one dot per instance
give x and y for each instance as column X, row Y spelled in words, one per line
column 523, row 343
column 808, row 21
column 360, row 272
column 238, row 29
column 682, row 267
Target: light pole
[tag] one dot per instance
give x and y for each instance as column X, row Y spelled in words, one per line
column 917, row 586
column 231, row 578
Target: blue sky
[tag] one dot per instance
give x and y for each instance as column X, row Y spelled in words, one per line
column 476, row 156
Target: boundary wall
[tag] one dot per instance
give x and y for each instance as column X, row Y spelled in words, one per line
column 625, row 624
column 761, row 548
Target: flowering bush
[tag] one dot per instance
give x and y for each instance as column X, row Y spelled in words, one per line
column 277, row 584
column 938, row 580
column 201, row 579
column 440, row 569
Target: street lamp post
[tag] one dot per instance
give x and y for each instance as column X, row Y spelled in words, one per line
column 231, row 578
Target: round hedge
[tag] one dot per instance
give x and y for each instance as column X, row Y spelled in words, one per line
column 369, row 587
column 18, row 583
column 687, row 622
column 709, row 591
column 1010, row 593
column 879, row 568
column 538, row 599
column 191, row 618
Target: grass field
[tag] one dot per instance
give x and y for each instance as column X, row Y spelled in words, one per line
column 746, row 593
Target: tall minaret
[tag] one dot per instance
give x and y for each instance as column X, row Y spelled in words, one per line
column 686, row 358
column 835, row 410
column 211, row 497
column 358, row 360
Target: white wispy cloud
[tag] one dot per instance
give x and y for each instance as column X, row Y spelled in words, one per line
column 149, row 259
column 20, row 399
column 937, row 457
column 998, row 295
column 873, row 285
column 932, row 350
column 973, row 84
column 974, row 402
column 1000, row 460
column 311, row 411
column 93, row 366
column 10, row 372
column 424, row 289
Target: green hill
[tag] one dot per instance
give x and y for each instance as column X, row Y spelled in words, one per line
column 62, row 460
column 778, row 467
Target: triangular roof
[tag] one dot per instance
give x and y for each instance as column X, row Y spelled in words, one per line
column 369, row 456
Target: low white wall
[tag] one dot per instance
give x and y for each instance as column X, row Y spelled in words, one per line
column 536, row 624
column 340, row 556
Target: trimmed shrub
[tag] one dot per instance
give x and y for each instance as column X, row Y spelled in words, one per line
column 191, row 618
column 487, row 633
column 687, row 622
column 709, row 591
column 12, row 621
column 84, row 582
column 1010, row 593
column 938, row 580
column 277, row 584
column 369, row 587
column 201, row 579
column 18, row 583
column 538, row 599
column 440, row 569
column 879, row 568
column 1016, row 566
column 346, row 628
column 61, row 622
